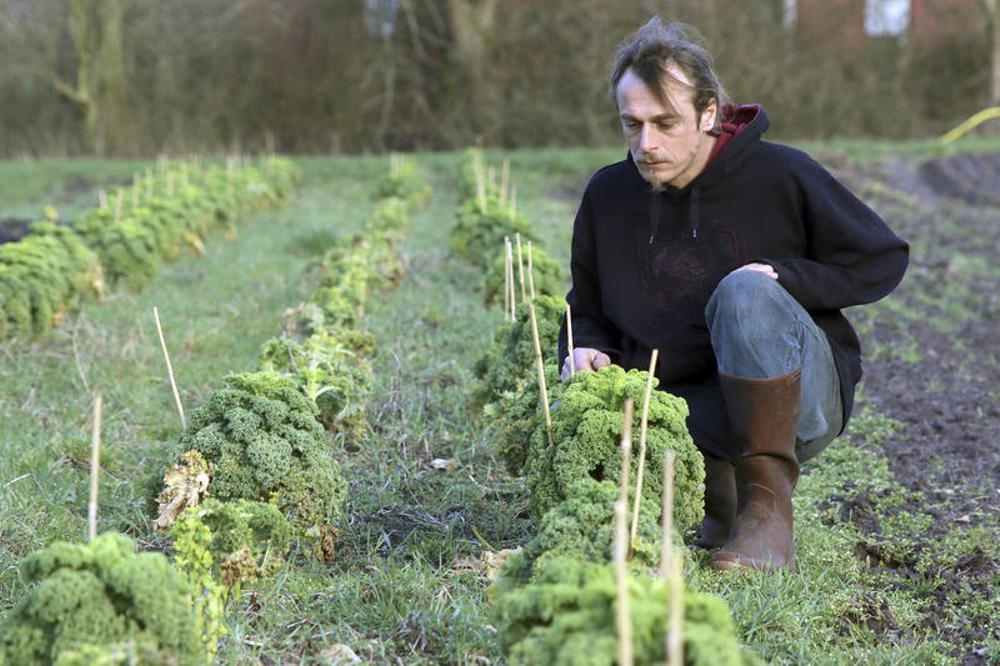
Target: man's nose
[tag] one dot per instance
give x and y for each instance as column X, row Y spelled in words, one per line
column 647, row 138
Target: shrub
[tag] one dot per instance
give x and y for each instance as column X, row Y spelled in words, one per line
column 516, row 415
column 328, row 373
column 508, row 364
column 249, row 540
column 478, row 235
column 582, row 527
column 261, row 436
column 99, row 599
column 587, row 428
column 43, row 276
column 567, row 616
column 406, row 182
column 549, row 277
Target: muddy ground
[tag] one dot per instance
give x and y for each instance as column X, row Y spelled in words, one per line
column 932, row 362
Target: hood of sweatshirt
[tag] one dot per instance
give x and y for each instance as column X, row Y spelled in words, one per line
column 739, row 137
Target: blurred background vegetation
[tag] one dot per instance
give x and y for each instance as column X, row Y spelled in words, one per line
column 138, row 77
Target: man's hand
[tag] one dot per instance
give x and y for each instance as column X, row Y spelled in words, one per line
column 766, row 269
column 585, row 358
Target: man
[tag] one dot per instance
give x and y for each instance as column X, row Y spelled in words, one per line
column 732, row 256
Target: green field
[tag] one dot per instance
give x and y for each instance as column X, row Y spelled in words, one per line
column 407, row 585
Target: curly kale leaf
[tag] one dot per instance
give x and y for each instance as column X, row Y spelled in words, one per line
column 261, row 435
column 567, row 616
column 508, row 364
column 587, row 428
column 549, row 276
column 96, row 594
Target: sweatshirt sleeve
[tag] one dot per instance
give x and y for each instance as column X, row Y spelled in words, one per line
column 591, row 328
column 852, row 255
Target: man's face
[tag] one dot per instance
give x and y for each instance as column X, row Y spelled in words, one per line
column 669, row 146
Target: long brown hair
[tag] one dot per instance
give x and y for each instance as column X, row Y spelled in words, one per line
column 654, row 48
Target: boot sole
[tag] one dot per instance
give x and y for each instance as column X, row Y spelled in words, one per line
column 725, row 561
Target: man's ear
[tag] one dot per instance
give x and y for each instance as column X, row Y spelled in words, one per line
column 707, row 120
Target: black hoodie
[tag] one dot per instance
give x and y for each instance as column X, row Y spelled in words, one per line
column 645, row 263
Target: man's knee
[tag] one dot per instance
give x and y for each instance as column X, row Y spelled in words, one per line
column 744, row 294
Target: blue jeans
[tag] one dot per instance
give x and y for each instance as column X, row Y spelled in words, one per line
column 759, row 331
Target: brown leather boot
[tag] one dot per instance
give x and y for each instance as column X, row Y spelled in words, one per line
column 720, row 503
column 763, row 414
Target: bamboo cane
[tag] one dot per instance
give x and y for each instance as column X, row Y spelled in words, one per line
column 541, row 372
column 569, row 345
column 102, row 199
column 671, row 564
column 624, row 616
column 170, row 369
column 531, row 275
column 95, row 467
column 675, row 632
column 513, row 297
column 520, row 266
column 643, row 425
column 506, row 283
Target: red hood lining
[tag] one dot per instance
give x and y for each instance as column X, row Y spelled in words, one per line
column 735, row 118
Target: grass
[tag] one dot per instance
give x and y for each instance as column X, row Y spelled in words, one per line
column 407, row 585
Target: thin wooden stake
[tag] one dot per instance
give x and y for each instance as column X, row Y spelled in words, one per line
column 506, row 283
column 675, row 631
column 668, row 512
column 170, row 369
column 504, row 181
column 671, row 569
column 95, row 468
column 531, row 275
column 520, row 266
column 118, row 206
column 569, row 344
column 102, row 199
column 513, row 297
column 541, row 372
column 625, row 657
column 513, row 201
column 643, row 425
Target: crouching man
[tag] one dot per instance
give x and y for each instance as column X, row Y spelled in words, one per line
column 733, row 256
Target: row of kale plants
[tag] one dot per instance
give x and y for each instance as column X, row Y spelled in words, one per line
column 55, row 268
column 554, row 599
column 252, row 476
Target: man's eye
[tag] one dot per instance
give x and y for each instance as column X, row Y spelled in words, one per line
column 665, row 126
column 632, row 125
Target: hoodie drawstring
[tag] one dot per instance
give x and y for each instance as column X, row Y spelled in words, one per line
column 695, row 210
column 654, row 217
column 694, row 214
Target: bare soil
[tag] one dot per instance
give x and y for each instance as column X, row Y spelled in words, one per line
column 13, row 229
column 936, row 369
